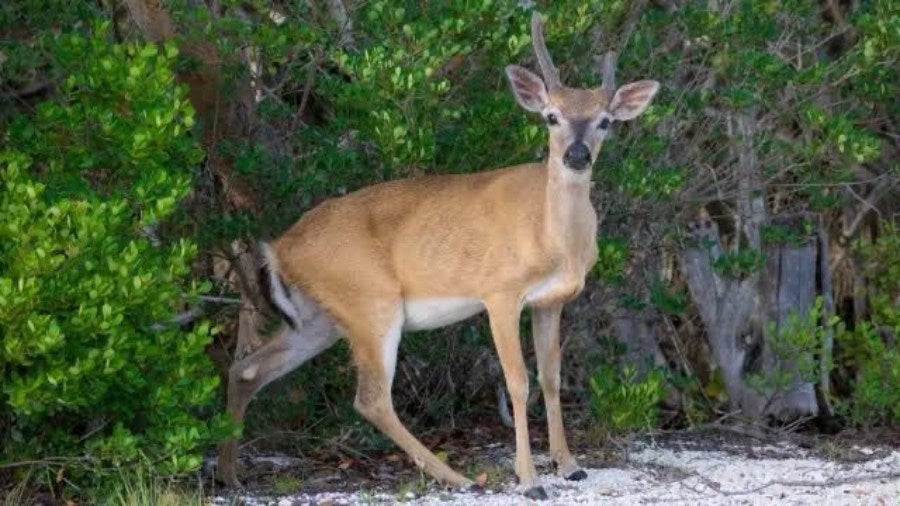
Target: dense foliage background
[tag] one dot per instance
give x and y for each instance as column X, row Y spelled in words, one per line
column 147, row 143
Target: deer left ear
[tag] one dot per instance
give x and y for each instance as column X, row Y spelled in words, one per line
column 632, row 99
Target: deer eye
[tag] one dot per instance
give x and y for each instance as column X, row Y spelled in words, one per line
column 604, row 124
column 552, row 120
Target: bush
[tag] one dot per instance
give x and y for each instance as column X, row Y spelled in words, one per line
column 871, row 347
column 90, row 368
column 876, row 390
column 795, row 350
column 622, row 401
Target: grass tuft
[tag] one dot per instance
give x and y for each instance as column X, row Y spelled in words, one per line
column 141, row 487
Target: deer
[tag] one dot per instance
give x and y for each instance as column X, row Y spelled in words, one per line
column 426, row 252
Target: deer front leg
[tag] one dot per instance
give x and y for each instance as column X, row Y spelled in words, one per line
column 545, row 329
column 504, row 318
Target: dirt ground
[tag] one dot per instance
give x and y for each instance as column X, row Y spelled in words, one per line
column 714, row 466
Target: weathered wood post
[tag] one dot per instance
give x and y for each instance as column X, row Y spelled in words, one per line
column 788, row 289
column 747, row 319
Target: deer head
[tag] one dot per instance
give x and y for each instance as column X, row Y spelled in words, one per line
column 578, row 119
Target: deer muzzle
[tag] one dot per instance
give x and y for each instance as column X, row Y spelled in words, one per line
column 577, row 156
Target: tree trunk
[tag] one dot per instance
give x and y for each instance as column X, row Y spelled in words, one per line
column 726, row 307
column 639, row 335
column 828, row 310
column 788, row 290
column 737, row 314
column 222, row 116
column 226, row 113
column 737, row 310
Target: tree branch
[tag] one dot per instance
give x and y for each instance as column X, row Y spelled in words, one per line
column 338, row 13
column 750, row 202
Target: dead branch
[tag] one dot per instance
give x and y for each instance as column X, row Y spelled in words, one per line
column 31, row 89
column 833, row 10
column 828, row 310
column 866, row 204
column 750, row 201
column 312, row 66
column 183, row 318
column 219, row 300
column 338, row 13
column 221, row 117
column 151, row 19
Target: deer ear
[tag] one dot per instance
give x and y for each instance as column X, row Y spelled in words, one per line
column 529, row 89
column 632, row 99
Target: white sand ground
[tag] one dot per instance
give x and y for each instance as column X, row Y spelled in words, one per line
column 656, row 475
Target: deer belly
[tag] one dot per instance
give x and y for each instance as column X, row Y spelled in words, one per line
column 431, row 313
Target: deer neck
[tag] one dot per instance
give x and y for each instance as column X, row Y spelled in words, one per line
column 568, row 211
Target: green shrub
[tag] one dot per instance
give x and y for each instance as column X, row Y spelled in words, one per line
column 871, row 347
column 612, row 260
column 90, row 368
column 623, row 401
column 795, row 347
column 876, row 390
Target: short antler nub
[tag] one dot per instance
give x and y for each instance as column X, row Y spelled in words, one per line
column 608, row 74
column 551, row 75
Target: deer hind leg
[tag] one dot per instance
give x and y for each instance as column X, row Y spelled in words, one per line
column 504, row 318
column 545, row 329
column 281, row 355
column 375, row 354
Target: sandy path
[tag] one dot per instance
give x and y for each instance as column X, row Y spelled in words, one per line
column 786, row 475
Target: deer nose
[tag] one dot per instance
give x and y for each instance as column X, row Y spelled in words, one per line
column 577, row 157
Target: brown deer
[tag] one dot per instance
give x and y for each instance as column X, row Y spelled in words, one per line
column 427, row 252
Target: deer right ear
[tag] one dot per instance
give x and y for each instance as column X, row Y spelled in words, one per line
column 632, row 99
column 529, row 89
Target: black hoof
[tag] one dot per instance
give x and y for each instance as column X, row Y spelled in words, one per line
column 577, row 475
column 536, row 493
column 476, row 489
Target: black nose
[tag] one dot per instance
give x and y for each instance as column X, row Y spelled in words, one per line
column 577, row 157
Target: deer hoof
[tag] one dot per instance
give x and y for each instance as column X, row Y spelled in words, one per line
column 536, row 493
column 475, row 489
column 578, row 475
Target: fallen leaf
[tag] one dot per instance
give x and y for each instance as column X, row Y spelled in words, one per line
column 481, row 479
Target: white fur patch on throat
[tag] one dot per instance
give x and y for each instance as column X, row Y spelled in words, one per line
column 570, row 176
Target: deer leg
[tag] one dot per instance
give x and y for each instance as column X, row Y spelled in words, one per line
column 545, row 329
column 376, row 359
column 281, row 355
column 504, row 319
